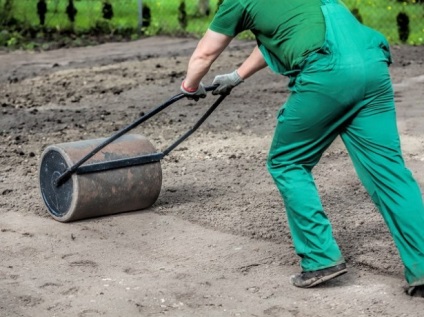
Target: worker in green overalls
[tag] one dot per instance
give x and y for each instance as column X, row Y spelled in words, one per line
column 340, row 86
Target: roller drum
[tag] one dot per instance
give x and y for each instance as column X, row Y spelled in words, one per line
column 99, row 193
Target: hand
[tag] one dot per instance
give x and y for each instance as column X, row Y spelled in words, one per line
column 195, row 94
column 226, row 83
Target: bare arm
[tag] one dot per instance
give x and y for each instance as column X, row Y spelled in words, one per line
column 207, row 51
column 252, row 64
column 225, row 83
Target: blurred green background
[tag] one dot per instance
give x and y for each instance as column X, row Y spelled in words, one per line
column 400, row 21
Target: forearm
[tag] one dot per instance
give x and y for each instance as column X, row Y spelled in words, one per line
column 207, row 51
column 252, row 64
column 198, row 66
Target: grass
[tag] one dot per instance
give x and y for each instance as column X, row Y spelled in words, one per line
column 379, row 14
column 164, row 15
column 89, row 12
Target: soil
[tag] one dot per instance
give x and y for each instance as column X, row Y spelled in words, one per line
column 216, row 242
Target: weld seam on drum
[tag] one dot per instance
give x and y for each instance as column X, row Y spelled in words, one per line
column 99, row 193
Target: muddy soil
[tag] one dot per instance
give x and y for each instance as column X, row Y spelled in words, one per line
column 216, row 242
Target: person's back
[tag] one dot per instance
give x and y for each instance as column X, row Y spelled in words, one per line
column 287, row 31
column 290, row 29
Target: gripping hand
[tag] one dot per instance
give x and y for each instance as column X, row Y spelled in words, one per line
column 194, row 94
column 226, row 83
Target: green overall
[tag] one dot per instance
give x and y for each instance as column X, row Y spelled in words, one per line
column 344, row 89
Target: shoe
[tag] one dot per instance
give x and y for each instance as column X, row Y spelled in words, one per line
column 313, row 278
column 415, row 291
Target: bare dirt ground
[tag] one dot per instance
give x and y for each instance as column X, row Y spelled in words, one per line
column 216, row 242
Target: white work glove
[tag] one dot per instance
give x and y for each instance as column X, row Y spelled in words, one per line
column 200, row 92
column 226, row 83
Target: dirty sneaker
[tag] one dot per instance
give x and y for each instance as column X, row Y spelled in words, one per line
column 313, row 278
column 415, row 291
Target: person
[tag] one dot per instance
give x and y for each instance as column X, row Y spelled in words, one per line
column 340, row 86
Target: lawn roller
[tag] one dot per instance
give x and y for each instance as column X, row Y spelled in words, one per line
column 124, row 173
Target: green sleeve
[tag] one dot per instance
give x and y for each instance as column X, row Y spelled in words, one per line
column 231, row 19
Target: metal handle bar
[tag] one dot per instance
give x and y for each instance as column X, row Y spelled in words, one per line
column 137, row 160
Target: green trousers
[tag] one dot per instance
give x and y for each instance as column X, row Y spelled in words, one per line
column 344, row 89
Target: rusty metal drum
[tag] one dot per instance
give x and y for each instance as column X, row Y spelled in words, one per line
column 99, row 193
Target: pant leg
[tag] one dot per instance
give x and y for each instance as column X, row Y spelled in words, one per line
column 324, row 98
column 372, row 141
column 305, row 128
